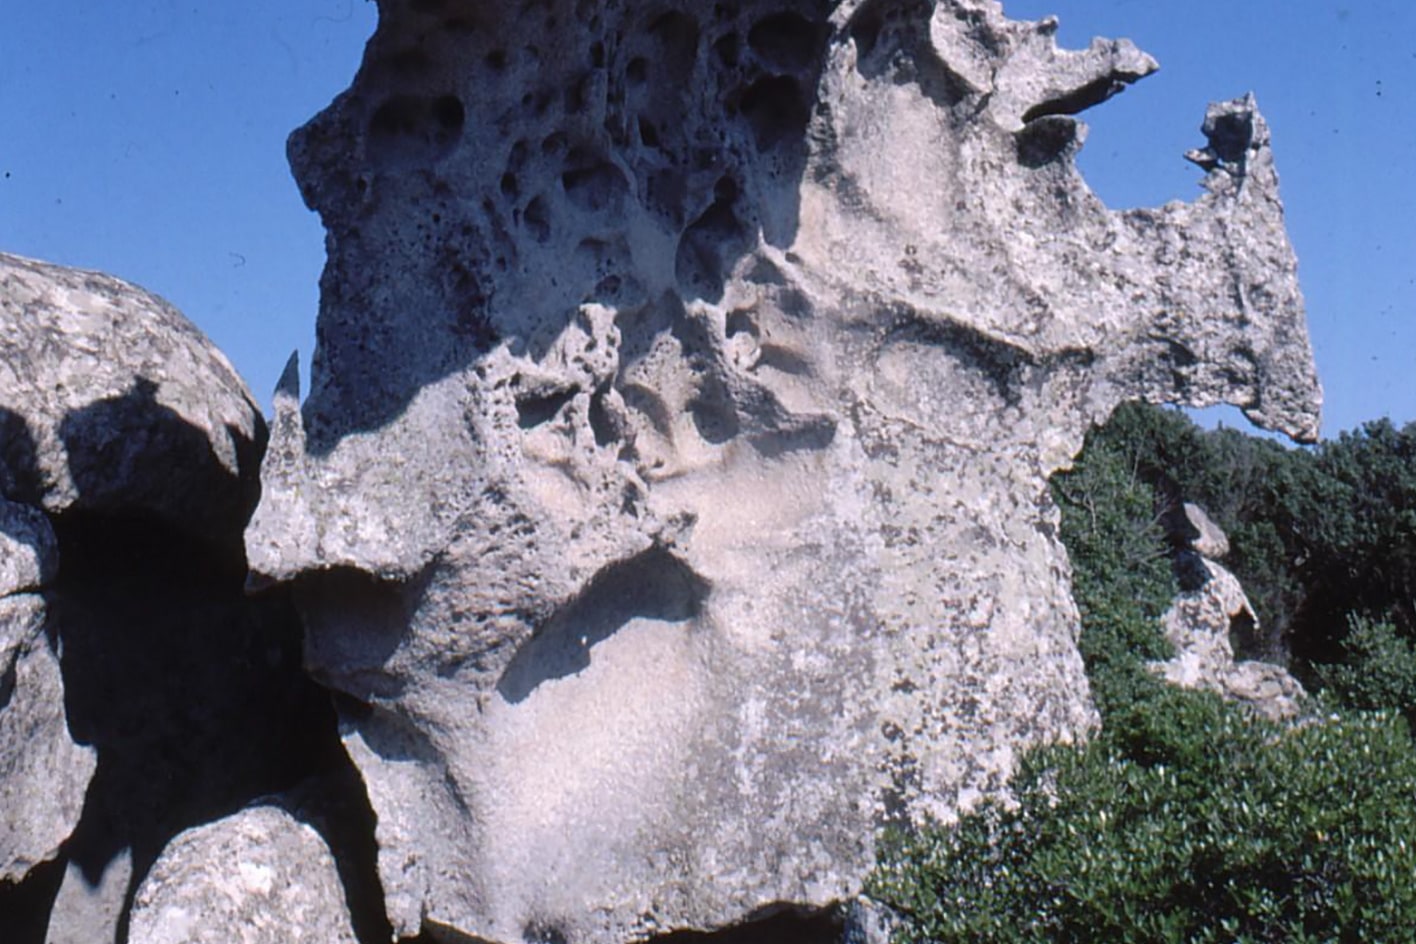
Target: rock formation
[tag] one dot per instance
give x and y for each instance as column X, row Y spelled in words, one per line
column 1209, row 624
column 141, row 691
column 43, row 773
column 257, row 877
column 670, row 502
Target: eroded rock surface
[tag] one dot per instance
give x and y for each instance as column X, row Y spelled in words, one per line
column 256, row 877
column 1209, row 623
column 43, row 773
column 672, row 488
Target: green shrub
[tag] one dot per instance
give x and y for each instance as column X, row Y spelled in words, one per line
column 1121, row 575
column 1186, row 819
column 1378, row 670
column 1198, row 824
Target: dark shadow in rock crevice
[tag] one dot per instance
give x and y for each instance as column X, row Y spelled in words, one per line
column 20, row 478
column 782, row 923
column 653, row 585
column 132, row 453
column 24, row 905
column 193, row 693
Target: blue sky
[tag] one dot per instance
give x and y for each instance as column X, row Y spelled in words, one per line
column 147, row 139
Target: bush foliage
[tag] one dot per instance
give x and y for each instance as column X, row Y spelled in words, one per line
column 1186, row 818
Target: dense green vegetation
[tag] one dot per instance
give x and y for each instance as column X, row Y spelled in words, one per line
column 1186, row 818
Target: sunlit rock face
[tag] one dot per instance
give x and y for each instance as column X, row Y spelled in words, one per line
column 671, row 496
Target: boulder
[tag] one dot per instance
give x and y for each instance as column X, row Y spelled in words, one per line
column 1203, row 626
column 29, row 552
column 43, row 773
column 671, row 496
column 1206, row 538
column 257, row 877
column 129, row 459
column 101, row 385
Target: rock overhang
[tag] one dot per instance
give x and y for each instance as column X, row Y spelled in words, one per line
column 772, row 318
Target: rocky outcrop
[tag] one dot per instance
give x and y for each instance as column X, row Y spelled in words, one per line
column 671, row 496
column 258, row 877
column 141, row 691
column 1210, row 620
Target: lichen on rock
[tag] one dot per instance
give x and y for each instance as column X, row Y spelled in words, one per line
column 671, row 495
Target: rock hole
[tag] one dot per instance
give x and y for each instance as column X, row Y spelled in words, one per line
column 409, row 129
column 1244, row 636
column 1043, row 140
column 508, row 185
column 776, row 110
column 786, row 41
column 597, row 187
column 537, row 220
column 713, row 411
column 648, row 135
column 740, row 322
column 1230, row 135
column 714, row 236
column 603, row 423
column 516, row 158
column 535, row 409
column 496, row 60
column 637, row 72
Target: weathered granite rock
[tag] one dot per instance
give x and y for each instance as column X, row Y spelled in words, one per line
column 29, row 554
column 672, row 488
column 128, row 469
column 43, row 773
column 101, row 384
column 1207, row 538
column 1204, row 624
column 256, row 877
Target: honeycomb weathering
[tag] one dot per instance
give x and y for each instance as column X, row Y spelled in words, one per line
column 672, row 487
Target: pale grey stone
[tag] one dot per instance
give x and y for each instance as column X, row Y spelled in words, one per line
column 1209, row 539
column 43, row 773
column 102, row 386
column 29, row 553
column 672, row 486
column 1200, row 625
column 87, row 912
column 257, row 877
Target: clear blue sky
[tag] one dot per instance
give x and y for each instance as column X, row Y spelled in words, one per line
column 147, row 139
